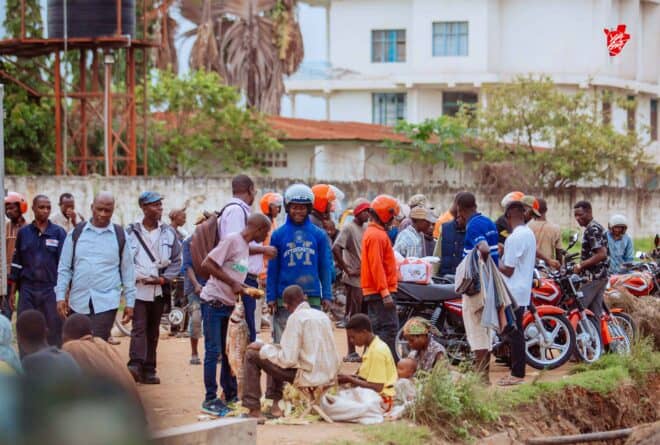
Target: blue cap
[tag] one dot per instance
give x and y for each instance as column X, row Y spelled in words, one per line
column 149, row 198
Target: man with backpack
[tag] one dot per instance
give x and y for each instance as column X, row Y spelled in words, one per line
column 94, row 267
column 157, row 257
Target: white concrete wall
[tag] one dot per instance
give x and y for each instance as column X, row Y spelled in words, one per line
column 641, row 208
column 351, row 106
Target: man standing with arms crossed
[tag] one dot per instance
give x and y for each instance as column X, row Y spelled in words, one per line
column 96, row 266
column 378, row 271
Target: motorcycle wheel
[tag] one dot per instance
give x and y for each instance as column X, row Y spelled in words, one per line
column 628, row 325
column 620, row 343
column 589, row 345
column 542, row 355
column 123, row 328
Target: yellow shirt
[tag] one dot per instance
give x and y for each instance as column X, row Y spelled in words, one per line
column 378, row 366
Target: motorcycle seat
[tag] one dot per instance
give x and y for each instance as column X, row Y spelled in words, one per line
column 427, row 292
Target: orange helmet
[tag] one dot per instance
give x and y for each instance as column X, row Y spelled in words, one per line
column 385, row 207
column 324, row 195
column 510, row 197
column 269, row 199
column 18, row 198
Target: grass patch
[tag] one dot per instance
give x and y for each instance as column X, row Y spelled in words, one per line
column 390, row 433
column 603, row 376
column 458, row 406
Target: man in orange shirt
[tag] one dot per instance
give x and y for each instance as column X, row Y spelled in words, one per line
column 378, row 270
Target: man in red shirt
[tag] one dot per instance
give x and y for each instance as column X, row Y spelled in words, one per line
column 378, row 275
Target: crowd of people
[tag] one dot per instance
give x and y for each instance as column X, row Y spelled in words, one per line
column 69, row 276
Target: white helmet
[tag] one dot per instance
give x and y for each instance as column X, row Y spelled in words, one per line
column 618, row 220
column 298, row 194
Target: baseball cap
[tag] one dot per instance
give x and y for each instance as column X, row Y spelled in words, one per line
column 149, row 198
column 419, row 213
column 533, row 203
column 430, row 217
column 360, row 208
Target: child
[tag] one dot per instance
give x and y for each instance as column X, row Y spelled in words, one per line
column 405, row 387
column 377, row 371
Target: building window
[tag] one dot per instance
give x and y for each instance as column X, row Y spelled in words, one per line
column 632, row 124
column 450, row 39
column 451, row 102
column 388, row 108
column 607, row 110
column 388, row 45
column 273, row 159
column 654, row 119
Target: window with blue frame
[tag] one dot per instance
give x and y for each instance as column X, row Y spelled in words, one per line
column 450, row 39
column 388, row 108
column 388, row 46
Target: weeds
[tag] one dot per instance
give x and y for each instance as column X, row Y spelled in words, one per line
column 397, row 433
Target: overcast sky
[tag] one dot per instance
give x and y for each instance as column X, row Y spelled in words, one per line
column 312, row 20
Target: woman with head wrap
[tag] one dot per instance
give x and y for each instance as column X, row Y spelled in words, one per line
column 9, row 361
column 423, row 348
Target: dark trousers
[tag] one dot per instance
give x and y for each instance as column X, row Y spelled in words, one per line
column 517, row 344
column 102, row 322
column 384, row 322
column 145, row 333
column 42, row 299
column 277, row 376
column 250, row 305
column 215, row 321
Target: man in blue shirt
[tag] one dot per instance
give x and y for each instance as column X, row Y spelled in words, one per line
column 304, row 257
column 619, row 243
column 98, row 272
column 480, row 233
column 34, row 266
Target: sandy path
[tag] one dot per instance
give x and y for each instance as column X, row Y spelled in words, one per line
column 177, row 400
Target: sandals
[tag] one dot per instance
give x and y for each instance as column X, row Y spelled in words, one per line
column 194, row 360
column 510, row 381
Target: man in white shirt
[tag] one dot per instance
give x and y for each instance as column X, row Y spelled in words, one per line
column 517, row 266
column 306, row 355
column 157, row 257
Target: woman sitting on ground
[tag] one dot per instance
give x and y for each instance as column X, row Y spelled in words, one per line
column 423, row 348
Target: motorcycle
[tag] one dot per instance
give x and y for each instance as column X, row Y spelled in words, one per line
column 639, row 279
column 549, row 337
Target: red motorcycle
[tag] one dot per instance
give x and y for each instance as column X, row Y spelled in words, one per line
column 640, row 279
column 549, row 337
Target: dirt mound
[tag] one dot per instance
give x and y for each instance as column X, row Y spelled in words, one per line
column 644, row 310
column 648, row 434
column 578, row 411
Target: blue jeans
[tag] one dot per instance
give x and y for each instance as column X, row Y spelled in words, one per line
column 215, row 321
column 250, row 305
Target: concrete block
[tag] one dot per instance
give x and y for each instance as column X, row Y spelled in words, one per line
column 215, row 432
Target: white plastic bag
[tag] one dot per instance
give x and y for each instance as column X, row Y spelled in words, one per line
column 356, row 405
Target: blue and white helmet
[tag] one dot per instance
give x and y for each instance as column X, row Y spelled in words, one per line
column 299, row 194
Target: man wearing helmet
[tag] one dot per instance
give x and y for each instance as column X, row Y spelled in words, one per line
column 619, row 243
column 15, row 207
column 378, row 274
column 303, row 258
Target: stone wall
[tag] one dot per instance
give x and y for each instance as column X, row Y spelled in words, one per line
column 642, row 208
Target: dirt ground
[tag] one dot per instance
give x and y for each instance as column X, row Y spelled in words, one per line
column 177, row 400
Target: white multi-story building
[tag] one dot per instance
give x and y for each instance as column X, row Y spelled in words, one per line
column 415, row 59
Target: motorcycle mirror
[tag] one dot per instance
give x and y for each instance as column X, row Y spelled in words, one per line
column 574, row 237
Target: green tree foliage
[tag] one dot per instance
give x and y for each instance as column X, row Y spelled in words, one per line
column 432, row 142
column 534, row 135
column 29, row 119
column 202, row 127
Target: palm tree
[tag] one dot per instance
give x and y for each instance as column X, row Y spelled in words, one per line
column 256, row 43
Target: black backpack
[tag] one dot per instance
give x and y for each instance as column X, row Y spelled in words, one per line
column 121, row 241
